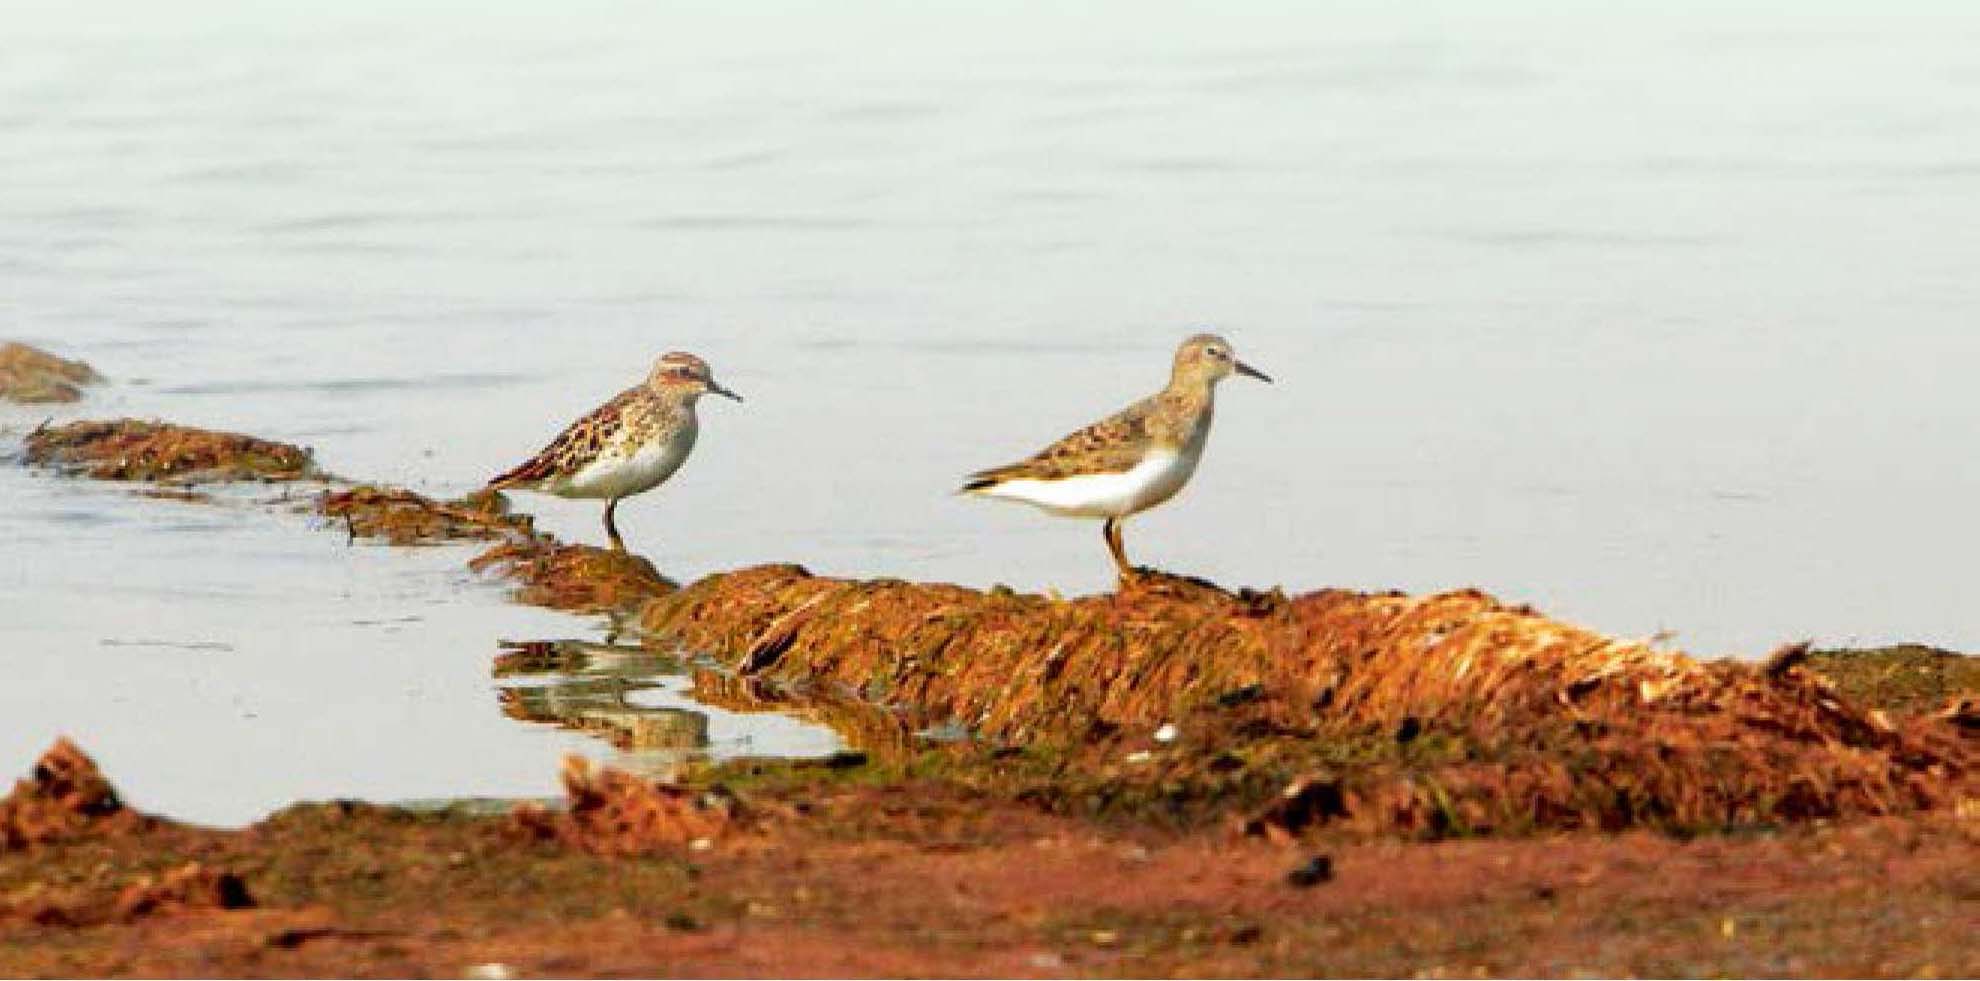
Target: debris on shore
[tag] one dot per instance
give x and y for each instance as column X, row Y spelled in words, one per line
column 33, row 376
column 576, row 578
column 401, row 517
column 138, row 450
column 547, row 572
column 64, row 798
column 610, row 812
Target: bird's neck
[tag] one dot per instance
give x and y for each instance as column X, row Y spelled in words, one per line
column 674, row 396
column 1190, row 391
column 1184, row 415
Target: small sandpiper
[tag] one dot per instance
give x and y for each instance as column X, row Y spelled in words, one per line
column 628, row 445
column 1132, row 460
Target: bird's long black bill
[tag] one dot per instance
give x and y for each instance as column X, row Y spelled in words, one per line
column 725, row 393
column 1250, row 372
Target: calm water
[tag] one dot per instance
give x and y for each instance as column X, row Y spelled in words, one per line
column 1661, row 319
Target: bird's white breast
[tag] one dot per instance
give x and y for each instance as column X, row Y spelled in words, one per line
column 615, row 475
column 1159, row 475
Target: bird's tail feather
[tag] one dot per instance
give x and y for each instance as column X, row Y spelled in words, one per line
column 982, row 480
column 524, row 473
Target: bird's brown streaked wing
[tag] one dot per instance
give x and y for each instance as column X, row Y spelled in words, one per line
column 1112, row 445
column 580, row 441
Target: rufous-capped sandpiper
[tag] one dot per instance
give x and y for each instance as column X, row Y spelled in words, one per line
column 627, row 446
column 1130, row 461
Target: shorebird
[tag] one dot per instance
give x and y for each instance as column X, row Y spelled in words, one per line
column 1130, row 461
column 627, row 446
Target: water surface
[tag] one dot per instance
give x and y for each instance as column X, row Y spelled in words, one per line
column 1656, row 317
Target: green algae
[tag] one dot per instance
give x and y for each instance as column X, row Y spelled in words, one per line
column 1904, row 679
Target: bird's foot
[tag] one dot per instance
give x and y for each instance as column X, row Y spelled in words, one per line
column 1146, row 581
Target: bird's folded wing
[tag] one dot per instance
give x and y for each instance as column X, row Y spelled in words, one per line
column 1112, row 445
column 580, row 442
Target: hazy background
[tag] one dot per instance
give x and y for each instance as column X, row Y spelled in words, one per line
column 1658, row 316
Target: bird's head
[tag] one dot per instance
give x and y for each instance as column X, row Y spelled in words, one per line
column 680, row 373
column 1207, row 359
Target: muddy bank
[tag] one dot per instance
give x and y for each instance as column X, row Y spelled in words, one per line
column 31, row 375
column 827, row 876
column 1446, row 714
column 610, row 812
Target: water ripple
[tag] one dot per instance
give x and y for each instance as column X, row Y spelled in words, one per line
column 337, row 386
column 747, row 222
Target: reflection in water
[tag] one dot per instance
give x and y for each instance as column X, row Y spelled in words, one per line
column 598, row 688
column 644, row 704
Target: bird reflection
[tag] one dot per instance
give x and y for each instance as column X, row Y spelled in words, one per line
column 595, row 689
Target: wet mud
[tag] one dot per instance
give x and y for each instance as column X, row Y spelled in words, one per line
column 821, row 872
column 611, row 812
column 32, row 376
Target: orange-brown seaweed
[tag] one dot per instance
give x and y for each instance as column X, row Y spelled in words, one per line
column 1440, row 714
column 133, row 449
column 31, row 375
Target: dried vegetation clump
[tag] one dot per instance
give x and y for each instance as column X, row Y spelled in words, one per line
column 31, row 375
column 1435, row 715
column 64, row 798
column 131, row 449
column 579, row 578
column 611, row 812
column 401, row 517
column 549, row 573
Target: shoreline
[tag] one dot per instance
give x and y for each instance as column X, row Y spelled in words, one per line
column 1169, row 779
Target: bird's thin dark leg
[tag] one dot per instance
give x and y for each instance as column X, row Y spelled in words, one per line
column 1111, row 531
column 612, row 527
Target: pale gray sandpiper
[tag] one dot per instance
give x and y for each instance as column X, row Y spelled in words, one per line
column 627, row 446
column 1132, row 460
